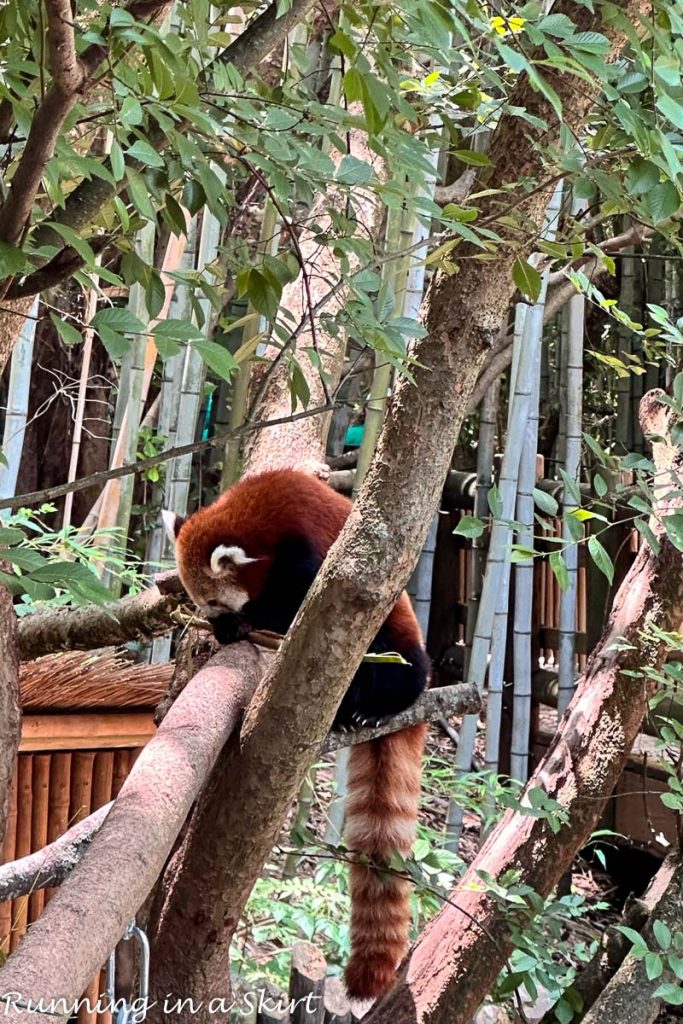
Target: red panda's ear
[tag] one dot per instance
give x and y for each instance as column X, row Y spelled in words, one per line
column 172, row 523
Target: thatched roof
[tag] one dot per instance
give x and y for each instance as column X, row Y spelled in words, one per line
column 106, row 678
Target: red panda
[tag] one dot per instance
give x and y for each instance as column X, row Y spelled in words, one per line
column 247, row 562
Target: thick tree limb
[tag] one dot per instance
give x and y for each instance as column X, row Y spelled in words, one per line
column 126, row 856
column 139, row 617
column 461, row 951
column 630, row 995
column 53, row 864
column 363, row 574
column 10, row 718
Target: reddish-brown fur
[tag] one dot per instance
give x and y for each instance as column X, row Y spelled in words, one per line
column 384, row 775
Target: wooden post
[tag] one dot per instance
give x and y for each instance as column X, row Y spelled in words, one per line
column 9, row 854
column 39, row 823
column 23, row 845
column 307, row 984
column 58, row 810
column 336, row 1003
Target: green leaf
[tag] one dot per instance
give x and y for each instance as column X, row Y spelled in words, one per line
column 352, row 171
column 662, row 201
column 600, row 557
column 142, row 151
column 472, row 157
column 217, row 358
column 653, row 966
column 671, row 110
column 669, row 993
column 469, row 526
column 545, row 502
column 641, row 176
column 352, row 84
column 118, row 164
column 527, row 279
column 139, row 193
column 662, row 934
column 118, row 318
column 673, row 525
column 559, row 569
column 495, row 502
column 10, row 535
column 69, row 334
column 12, row 260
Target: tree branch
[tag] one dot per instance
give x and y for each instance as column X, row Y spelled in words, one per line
column 52, row 865
column 10, row 717
column 126, row 856
column 101, row 477
column 630, row 995
column 139, row 617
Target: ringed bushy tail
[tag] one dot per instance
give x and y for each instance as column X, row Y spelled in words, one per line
column 381, row 817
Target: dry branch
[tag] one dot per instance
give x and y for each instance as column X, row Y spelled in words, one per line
column 139, row 617
column 462, row 950
column 458, row 699
column 52, row 864
column 615, row 946
column 125, row 858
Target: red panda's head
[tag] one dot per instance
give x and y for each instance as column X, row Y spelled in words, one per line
column 216, row 571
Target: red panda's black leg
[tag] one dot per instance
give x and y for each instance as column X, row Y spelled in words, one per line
column 380, row 690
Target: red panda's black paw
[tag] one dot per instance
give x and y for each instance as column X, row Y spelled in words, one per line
column 229, row 628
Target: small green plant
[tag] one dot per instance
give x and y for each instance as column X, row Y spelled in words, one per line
column 663, row 957
column 58, row 567
column 545, row 956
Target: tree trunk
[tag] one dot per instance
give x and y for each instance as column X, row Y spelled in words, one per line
column 364, row 573
column 302, row 444
column 10, row 717
column 462, row 950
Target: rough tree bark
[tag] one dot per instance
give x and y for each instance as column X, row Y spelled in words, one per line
column 224, row 848
column 462, row 950
column 10, row 717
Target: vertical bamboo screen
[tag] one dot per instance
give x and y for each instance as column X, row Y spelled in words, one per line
column 50, row 792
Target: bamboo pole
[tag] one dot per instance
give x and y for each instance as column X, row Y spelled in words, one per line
column 88, row 336
column 524, row 571
column 496, row 579
column 488, row 414
column 17, row 404
column 575, row 316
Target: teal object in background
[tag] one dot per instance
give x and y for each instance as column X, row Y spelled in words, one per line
column 354, row 436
